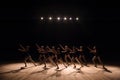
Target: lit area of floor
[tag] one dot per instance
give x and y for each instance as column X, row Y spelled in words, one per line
column 13, row 71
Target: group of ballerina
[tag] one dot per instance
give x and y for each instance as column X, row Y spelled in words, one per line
column 60, row 54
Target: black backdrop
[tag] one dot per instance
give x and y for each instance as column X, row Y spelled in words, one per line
column 98, row 24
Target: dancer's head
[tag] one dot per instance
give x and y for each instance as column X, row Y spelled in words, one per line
column 53, row 47
column 27, row 46
column 58, row 48
column 66, row 46
column 94, row 47
column 81, row 46
column 42, row 46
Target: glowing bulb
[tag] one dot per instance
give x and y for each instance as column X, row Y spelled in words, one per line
column 58, row 18
column 41, row 18
column 70, row 18
column 65, row 18
column 50, row 18
column 77, row 18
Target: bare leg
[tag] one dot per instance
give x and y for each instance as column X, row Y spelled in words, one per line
column 40, row 60
column 56, row 61
column 57, row 64
column 32, row 60
column 66, row 60
column 78, row 61
column 61, row 61
column 44, row 61
column 25, row 61
column 72, row 61
column 84, row 60
column 51, row 60
column 100, row 61
column 94, row 61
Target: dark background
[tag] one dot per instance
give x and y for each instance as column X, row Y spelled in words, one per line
column 20, row 23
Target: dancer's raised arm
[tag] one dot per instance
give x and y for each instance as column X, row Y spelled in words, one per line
column 62, row 47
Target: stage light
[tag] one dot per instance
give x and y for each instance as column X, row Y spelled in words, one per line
column 41, row 18
column 65, row 18
column 50, row 18
column 70, row 18
column 58, row 18
column 77, row 18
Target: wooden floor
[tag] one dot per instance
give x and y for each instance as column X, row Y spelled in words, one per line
column 12, row 71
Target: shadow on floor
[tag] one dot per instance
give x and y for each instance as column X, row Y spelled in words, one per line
column 16, row 71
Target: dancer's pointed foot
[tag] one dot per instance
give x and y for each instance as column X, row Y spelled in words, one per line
column 82, row 66
column 66, row 66
column 104, row 68
column 74, row 67
column 57, row 68
column 96, row 66
column 44, row 67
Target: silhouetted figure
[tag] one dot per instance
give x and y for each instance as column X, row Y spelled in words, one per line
column 39, row 52
column 52, row 55
column 81, row 55
column 27, row 56
column 66, row 51
column 42, row 55
column 75, row 56
column 60, row 57
column 96, row 56
column 54, row 58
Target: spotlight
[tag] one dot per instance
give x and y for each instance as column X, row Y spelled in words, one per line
column 77, row 18
column 65, row 18
column 70, row 18
column 50, row 18
column 58, row 18
column 41, row 18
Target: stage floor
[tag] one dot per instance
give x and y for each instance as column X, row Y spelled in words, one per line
column 12, row 71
